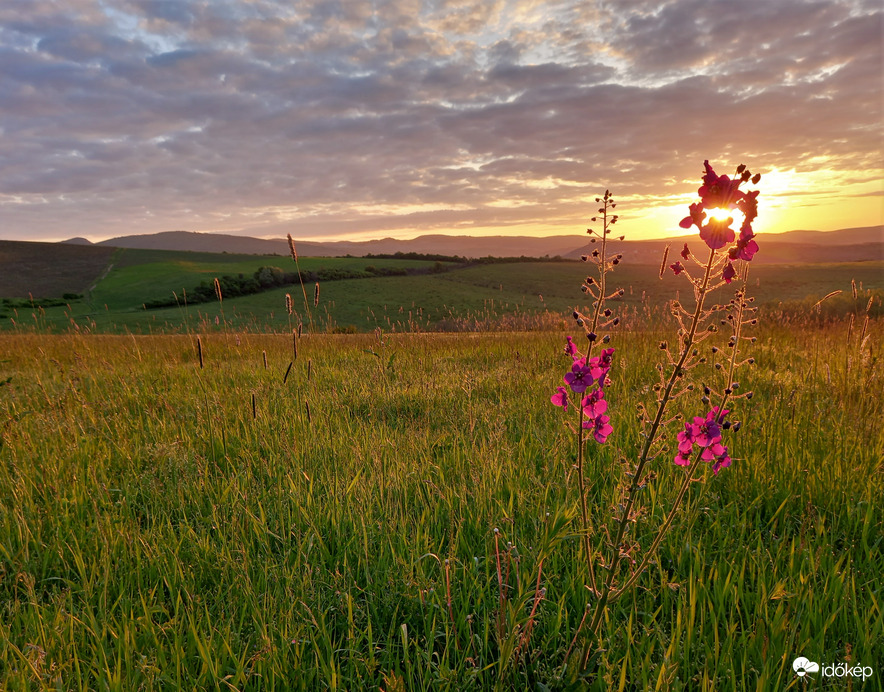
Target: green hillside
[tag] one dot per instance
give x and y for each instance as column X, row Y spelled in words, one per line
column 446, row 296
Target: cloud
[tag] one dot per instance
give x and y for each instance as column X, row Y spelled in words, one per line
column 144, row 115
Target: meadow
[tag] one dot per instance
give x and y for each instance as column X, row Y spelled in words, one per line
column 331, row 525
column 519, row 296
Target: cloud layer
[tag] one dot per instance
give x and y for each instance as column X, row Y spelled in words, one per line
column 330, row 117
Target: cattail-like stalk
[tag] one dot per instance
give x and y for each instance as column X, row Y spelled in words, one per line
column 289, row 304
column 316, row 295
column 287, row 371
column 264, row 354
column 307, row 407
column 663, row 262
column 218, row 290
column 292, row 247
column 294, row 344
column 199, row 351
column 254, row 408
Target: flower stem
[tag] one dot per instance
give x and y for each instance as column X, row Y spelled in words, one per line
column 666, row 396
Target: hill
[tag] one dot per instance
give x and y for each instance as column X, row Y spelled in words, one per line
column 50, row 269
column 856, row 244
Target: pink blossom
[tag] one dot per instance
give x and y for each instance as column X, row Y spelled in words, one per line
column 600, row 426
column 594, row 404
column 580, row 376
column 560, row 398
column 696, row 217
column 719, row 190
column 716, row 234
column 729, row 272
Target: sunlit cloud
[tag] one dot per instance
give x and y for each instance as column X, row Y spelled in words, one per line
column 335, row 119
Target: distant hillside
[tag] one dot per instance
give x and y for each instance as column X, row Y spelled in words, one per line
column 794, row 246
column 49, row 270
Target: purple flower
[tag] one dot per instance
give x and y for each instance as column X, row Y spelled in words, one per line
column 677, row 268
column 705, row 433
column 686, row 440
column 601, row 364
column 682, row 459
column 716, row 234
column 571, row 348
column 722, row 461
column 686, row 252
column 729, row 272
column 580, row 376
column 600, row 427
column 695, row 219
column 594, row 404
column 560, row 398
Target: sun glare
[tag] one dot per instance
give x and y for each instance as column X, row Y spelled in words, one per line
column 720, row 214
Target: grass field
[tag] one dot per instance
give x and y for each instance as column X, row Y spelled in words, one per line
column 169, row 527
column 517, row 296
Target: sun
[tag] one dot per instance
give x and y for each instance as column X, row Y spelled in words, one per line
column 721, row 214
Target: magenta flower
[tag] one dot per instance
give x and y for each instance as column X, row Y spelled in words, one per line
column 722, row 461
column 682, row 459
column 580, row 376
column 677, row 268
column 705, row 433
column 600, row 427
column 601, row 364
column 719, row 190
column 571, row 348
column 594, row 404
column 716, row 234
column 697, row 215
column 746, row 247
column 686, row 440
column 748, row 204
column 729, row 272
column 560, row 398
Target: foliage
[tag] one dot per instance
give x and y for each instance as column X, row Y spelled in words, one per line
column 158, row 532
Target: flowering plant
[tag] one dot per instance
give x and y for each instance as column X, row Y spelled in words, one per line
column 721, row 200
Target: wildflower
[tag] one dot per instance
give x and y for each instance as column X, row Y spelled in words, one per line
column 580, row 376
column 746, row 247
column 601, row 364
column 560, row 398
column 696, row 217
column 600, row 427
column 719, row 190
column 677, row 268
column 729, row 272
column 594, row 404
column 722, row 461
column 685, row 253
column 686, row 440
column 571, row 348
column 716, row 234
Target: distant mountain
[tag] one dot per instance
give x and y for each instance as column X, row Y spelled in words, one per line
column 77, row 241
column 851, row 244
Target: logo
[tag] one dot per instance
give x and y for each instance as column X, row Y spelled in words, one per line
column 802, row 667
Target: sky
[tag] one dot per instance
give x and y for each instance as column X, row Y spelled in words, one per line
column 343, row 119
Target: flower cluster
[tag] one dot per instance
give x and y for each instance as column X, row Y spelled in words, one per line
column 584, row 374
column 722, row 192
column 706, row 434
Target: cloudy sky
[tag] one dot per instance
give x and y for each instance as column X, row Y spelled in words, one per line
column 350, row 119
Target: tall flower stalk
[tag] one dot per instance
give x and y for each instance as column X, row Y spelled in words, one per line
column 700, row 440
column 588, row 371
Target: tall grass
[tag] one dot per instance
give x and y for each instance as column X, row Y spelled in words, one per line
column 165, row 527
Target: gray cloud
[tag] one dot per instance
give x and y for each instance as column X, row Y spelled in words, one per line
column 144, row 115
